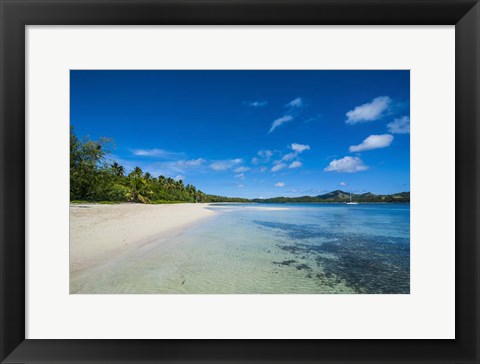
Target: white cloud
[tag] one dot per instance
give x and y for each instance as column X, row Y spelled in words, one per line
column 369, row 111
column 299, row 148
column 290, row 160
column 289, row 156
column 240, row 175
column 226, row 164
column 263, row 156
column 263, row 169
column 279, row 184
column 241, row 169
column 293, row 108
column 240, row 185
column 220, row 166
column 155, row 152
column 298, row 102
column 265, row 153
column 189, row 163
column 279, row 166
column 347, row 165
column 295, row 164
column 284, row 119
column 400, row 125
column 256, row 103
column 179, row 177
column 343, row 183
column 373, row 142
column 176, row 167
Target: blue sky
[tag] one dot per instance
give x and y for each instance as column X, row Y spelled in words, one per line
column 253, row 133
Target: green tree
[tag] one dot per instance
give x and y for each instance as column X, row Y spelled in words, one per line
column 118, row 170
column 138, row 187
column 87, row 180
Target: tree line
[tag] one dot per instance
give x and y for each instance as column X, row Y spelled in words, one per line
column 93, row 178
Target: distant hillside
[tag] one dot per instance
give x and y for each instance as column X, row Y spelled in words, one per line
column 341, row 196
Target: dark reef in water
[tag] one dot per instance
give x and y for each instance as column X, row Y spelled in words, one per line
column 303, row 267
column 286, row 262
column 373, row 264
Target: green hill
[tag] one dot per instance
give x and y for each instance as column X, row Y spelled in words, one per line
column 341, row 196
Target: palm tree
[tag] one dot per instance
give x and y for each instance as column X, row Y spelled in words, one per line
column 200, row 196
column 117, row 169
column 138, row 171
column 138, row 187
column 162, row 181
column 170, row 183
column 179, row 185
column 192, row 192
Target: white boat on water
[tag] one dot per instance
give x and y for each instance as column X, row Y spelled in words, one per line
column 351, row 202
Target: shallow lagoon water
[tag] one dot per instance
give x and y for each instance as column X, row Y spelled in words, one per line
column 270, row 248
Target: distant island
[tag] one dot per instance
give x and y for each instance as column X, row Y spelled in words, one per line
column 341, row 196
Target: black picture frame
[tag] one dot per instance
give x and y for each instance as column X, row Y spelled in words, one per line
column 16, row 14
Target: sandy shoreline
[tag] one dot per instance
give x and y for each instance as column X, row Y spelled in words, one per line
column 99, row 233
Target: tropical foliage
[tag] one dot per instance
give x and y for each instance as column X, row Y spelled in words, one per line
column 94, row 178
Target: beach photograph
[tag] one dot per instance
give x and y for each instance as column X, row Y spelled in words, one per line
column 239, row 182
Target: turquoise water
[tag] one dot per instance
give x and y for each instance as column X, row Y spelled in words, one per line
column 271, row 248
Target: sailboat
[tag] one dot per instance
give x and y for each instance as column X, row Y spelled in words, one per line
column 351, row 202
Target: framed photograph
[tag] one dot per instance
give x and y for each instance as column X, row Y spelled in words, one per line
column 239, row 181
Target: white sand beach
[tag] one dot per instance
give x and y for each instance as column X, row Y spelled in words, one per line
column 99, row 233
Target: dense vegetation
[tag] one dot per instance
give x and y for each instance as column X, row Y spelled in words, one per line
column 341, row 196
column 94, row 179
